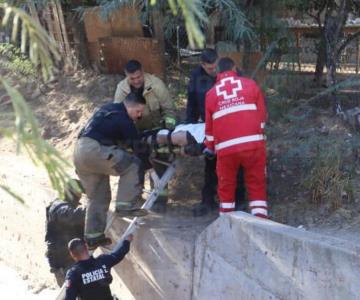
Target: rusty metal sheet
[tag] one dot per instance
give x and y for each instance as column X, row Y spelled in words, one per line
column 95, row 26
column 117, row 51
column 235, row 56
column 94, row 52
column 126, row 22
column 254, row 59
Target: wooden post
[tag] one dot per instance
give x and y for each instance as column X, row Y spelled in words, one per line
column 57, row 28
column 33, row 12
column 357, row 55
column 63, row 28
column 49, row 22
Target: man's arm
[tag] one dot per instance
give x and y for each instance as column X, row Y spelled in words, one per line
column 71, row 288
column 119, row 252
column 166, row 104
column 128, row 134
column 192, row 111
column 209, row 136
column 260, row 103
column 119, row 93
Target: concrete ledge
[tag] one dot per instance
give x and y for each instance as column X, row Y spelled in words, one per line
column 161, row 260
column 243, row 257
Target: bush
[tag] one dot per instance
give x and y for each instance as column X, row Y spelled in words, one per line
column 14, row 61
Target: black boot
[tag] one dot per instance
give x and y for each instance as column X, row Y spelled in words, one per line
column 203, row 208
column 241, row 205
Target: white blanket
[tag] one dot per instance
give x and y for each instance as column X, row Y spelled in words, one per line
column 196, row 130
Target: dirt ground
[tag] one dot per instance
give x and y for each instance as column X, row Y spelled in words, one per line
column 295, row 136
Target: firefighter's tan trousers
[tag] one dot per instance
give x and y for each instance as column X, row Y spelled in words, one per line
column 94, row 163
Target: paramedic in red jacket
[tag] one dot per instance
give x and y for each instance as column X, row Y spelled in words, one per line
column 235, row 119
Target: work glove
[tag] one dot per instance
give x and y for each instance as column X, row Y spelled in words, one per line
column 170, row 123
column 193, row 149
column 209, row 154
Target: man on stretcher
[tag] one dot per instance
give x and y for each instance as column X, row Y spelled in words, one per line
column 189, row 137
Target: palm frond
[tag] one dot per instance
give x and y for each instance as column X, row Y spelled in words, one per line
column 192, row 11
column 42, row 48
column 27, row 135
column 237, row 25
column 11, row 193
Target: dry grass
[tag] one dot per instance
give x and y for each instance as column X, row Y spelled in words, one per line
column 328, row 184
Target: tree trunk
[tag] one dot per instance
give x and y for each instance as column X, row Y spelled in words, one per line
column 247, row 54
column 263, row 40
column 331, row 27
column 247, row 42
column 320, row 60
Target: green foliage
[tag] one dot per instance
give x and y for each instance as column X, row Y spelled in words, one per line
column 237, row 24
column 26, row 132
column 15, row 61
column 11, row 192
column 42, row 49
column 193, row 14
column 27, row 135
column 192, row 11
column 279, row 107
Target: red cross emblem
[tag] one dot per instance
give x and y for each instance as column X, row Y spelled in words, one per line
column 228, row 88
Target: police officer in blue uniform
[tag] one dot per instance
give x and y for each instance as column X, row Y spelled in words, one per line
column 90, row 277
column 64, row 221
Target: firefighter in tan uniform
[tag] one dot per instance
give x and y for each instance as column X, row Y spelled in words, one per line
column 101, row 152
column 159, row 111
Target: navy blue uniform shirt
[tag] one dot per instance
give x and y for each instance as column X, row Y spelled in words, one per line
column 111, row 124
column 90, row 279
column 200, row 83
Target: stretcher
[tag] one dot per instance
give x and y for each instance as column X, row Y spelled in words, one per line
column 183, row 135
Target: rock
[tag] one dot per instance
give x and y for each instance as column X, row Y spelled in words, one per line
column 73, row 115
column 47, row 133
column 36, row 94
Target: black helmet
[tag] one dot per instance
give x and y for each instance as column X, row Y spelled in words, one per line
column 73, row 191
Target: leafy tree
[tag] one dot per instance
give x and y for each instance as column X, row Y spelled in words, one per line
column 331, row 16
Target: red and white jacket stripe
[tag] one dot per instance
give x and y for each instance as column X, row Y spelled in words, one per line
column 235, row 115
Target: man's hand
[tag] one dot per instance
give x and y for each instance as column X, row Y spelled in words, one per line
column 209, row 154
column 130, row 237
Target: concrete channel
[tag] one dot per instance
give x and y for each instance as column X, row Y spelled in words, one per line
column 236, row 256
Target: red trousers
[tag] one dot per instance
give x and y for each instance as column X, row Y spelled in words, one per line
column 253, row 163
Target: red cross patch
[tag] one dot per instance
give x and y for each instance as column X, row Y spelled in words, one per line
column 228, row 88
